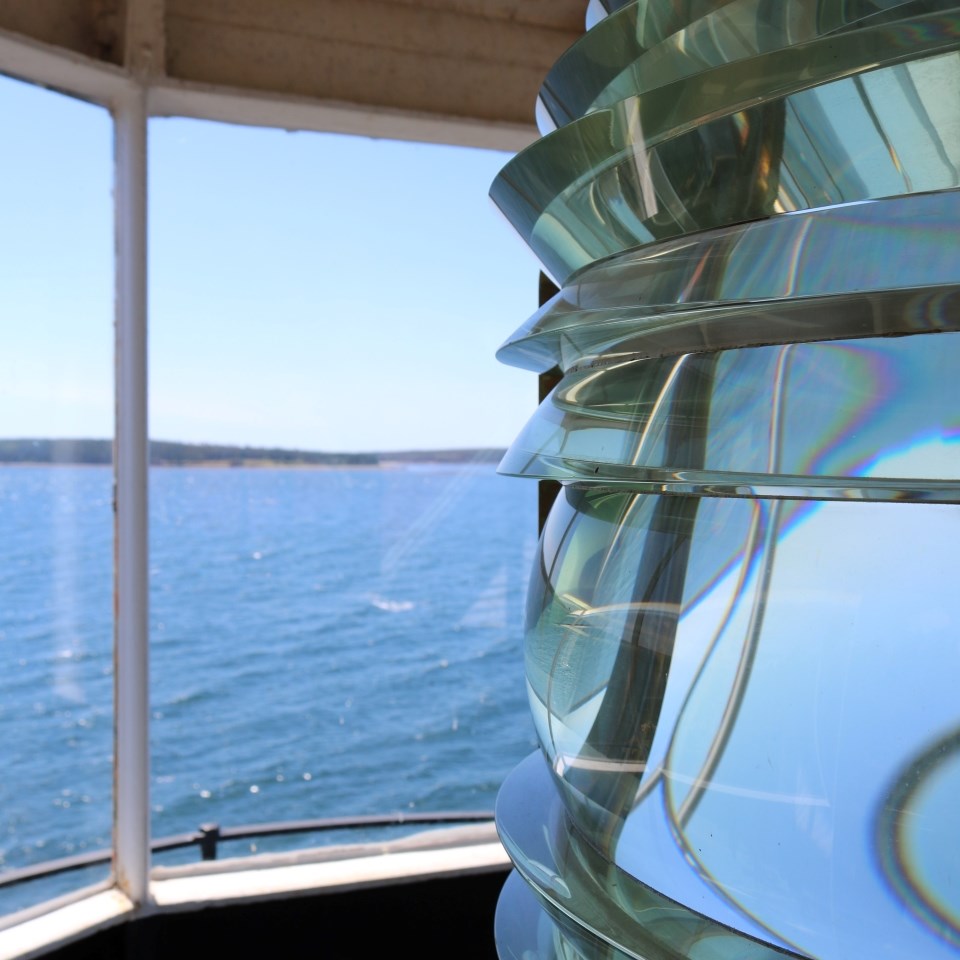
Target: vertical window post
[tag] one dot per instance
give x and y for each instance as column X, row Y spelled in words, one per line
column 131, row 461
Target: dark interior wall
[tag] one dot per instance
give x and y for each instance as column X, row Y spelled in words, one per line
column 450, row 917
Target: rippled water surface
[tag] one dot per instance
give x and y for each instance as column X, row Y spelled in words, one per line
column 323, row 643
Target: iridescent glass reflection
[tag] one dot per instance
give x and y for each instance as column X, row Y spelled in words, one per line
column 873, row 418
column 705, row 674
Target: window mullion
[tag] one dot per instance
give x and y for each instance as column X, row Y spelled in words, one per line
column 131, row 461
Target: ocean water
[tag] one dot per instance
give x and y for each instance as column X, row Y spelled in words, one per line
column 324, row 643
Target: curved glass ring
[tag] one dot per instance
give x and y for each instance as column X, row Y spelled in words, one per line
column 652, row 481
column 645, row 46
column 526, row 929
column 530, row 929
column 845, row 415
column 598, row 902
column 903, row 243
column 609, row 336
column 611, row 182
column 665, row 112
column 694, row 293
column 605, row 50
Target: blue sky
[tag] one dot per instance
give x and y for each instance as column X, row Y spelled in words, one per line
column 306, row 290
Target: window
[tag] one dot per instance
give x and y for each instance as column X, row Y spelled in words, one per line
column 56, row 519
column 325, row 640
column 333, row 638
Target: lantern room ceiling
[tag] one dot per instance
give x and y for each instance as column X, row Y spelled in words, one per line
column 460, row 71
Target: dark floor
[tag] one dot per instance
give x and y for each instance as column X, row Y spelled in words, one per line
column 431, row 918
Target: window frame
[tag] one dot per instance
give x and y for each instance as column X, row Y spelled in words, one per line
column 132, row 97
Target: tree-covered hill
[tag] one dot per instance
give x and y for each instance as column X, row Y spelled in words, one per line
column 170, row 453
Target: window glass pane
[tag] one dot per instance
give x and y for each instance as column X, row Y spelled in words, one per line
column 338, row 636
column 56, row 519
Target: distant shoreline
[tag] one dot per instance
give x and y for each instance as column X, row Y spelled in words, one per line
column 253, row 464
column 163, row 453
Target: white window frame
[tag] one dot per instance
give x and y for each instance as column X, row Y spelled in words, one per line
column 126, row 100
column 132, row 98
